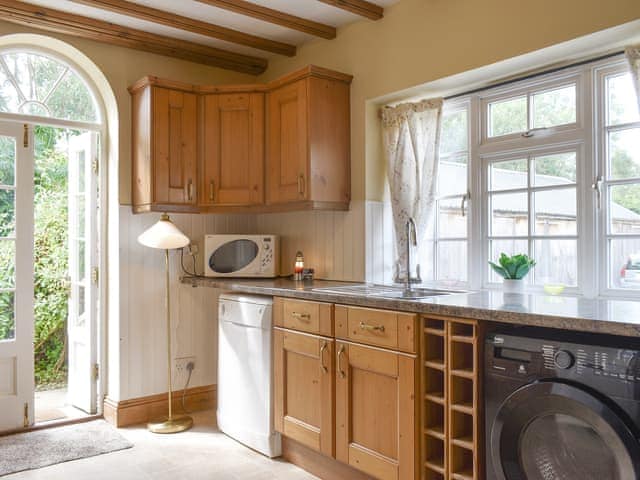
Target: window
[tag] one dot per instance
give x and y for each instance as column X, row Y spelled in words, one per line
column 548, row 166
column 619, row 182
column 450, row 227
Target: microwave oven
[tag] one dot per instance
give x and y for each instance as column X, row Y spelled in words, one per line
column 241, row 256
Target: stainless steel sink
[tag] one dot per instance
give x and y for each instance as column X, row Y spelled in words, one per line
column 386, row 291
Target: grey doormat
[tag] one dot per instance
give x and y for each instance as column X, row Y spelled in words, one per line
column 29, row 450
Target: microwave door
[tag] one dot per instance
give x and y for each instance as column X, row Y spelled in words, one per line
column 233, row 257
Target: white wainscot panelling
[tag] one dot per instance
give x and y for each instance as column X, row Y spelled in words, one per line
column 8, row 376
column 332, row 242
column 193, row 314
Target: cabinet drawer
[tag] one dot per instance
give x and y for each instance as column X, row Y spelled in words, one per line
column 311, row 317
column 382, row 328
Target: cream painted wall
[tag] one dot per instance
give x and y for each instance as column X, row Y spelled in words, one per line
column 419, row 41
column 122, row 67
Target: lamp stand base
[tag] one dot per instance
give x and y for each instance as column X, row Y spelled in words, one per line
column 170, row 425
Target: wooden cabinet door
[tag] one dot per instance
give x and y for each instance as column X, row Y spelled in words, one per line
column 233, row 163
column 288, row 144
column 376, row 411
column 174, row 147
column 304, row 389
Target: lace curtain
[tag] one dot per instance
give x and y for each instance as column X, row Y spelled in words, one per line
column 633, row 56
column 411, row 135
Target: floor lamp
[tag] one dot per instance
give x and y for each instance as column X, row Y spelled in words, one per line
column 166, row 236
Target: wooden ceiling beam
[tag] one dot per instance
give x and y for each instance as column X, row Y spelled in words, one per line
column 359, row 7
column 142, row 12
column 21, row 13
column 275, row 16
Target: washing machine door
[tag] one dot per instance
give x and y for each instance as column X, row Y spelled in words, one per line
column 550, row 430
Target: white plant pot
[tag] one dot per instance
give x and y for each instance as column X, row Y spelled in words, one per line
column 513, row 286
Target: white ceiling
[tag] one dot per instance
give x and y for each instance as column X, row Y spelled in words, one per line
column 308, row 9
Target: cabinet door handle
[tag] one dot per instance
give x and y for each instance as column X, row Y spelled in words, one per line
column 301, row 185
column 372, row 328
column 340, row 352
column 190, row 190
column 212, row 191
column 323, row 348
column 305, row 317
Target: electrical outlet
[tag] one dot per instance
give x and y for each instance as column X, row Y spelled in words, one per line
column 180, row 365
column 193, row 249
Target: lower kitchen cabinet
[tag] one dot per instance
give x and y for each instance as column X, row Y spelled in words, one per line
column 376, row 411
column 304, row 388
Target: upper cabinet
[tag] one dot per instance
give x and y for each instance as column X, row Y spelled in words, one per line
column 164, row 149
column 275, row 147
column 308, row 141
column 232, row 165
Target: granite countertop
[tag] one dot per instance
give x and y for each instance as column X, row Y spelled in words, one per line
column 616, row 317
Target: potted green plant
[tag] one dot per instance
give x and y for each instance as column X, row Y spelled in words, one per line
column 513, row 269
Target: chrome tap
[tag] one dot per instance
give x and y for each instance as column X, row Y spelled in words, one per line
column 411, row 240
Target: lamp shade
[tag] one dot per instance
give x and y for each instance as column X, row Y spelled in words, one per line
column 163, row 235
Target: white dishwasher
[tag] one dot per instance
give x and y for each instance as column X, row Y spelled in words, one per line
column 245, row 398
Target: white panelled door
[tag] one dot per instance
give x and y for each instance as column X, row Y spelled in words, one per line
column 83, row 261
column 16, row 276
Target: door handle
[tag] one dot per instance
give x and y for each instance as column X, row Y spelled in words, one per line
column 212, row 192
column 323, row 348
column 371, row 328
column 301, row 185
column 190, row 190
column 340, row 353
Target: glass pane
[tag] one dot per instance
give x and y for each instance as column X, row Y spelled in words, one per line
column 7, row 213
column 7, row 160
column 452, row 176
column 556, row 261
column 556, row 169
column 9, row 99
column 451, row 222
column 452, row 261
column 625, row 263
column 81, row 215
column 81, row 171
column 507, row 116
column 556, row 212
column 233, row 256
column 558, row 446
column 624, row 208
column 72, row 100
column 7, row 316
column 509, row 214
column 554, row 107
column 624, row 153
column 34, row 74
column 621, row 100
column 453, row 137
column 81, row 261
column 508, row 175
column 81, row 302
column 7, row 264
column 509, row 247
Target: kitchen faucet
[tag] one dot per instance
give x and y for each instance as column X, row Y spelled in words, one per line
column 411, row 240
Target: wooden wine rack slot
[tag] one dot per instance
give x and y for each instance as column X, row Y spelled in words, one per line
column 451, row 413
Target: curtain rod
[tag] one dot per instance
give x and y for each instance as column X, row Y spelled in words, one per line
column 534, row 75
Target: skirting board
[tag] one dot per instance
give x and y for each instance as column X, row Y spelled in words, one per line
column 321, row 466
column 143, row 409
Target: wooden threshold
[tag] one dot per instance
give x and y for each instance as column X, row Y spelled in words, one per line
column 22, row 13
column 143, row 409
column 359, row 7
column 323, row 467
column 169, row 19
column 52, row 424
column 275, row 16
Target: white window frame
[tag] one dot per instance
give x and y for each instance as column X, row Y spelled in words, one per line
column 603, row 235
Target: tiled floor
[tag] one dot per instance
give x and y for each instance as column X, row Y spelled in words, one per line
column 201, row 453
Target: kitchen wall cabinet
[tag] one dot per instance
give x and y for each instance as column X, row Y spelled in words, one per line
column 308, row 154
column 232, row 164
column 164, row 149
column 304, row 386
column 375, row 411
column 246, row 148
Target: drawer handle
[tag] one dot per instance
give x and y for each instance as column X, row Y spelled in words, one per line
column 323, row 348
column 340, row 352
column 305, row 317
column 371, row 328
